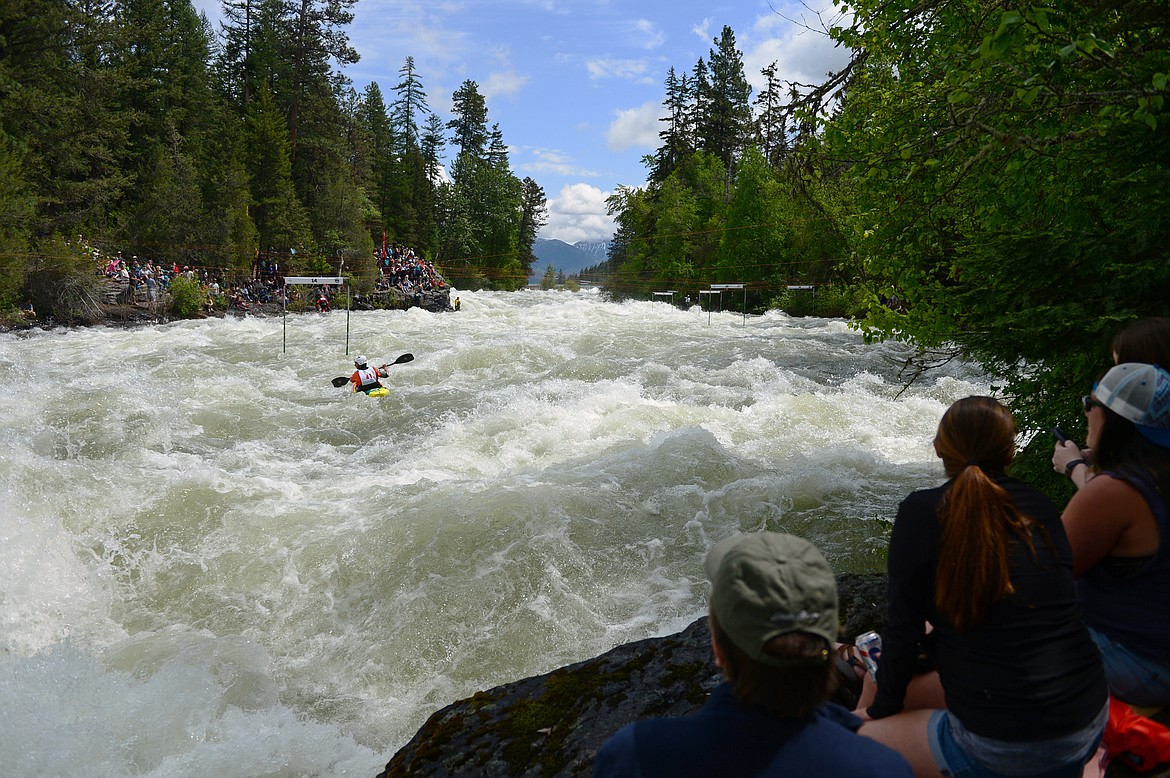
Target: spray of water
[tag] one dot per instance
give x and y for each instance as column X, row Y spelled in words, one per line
column 214, row 562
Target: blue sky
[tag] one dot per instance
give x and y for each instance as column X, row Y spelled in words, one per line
column 577, row 85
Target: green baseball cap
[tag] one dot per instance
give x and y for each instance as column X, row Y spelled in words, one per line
column 768, row 584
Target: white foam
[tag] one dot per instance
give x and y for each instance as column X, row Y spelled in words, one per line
column 192, row 515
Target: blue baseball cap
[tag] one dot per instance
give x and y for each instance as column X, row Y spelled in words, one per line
column 1141, row 394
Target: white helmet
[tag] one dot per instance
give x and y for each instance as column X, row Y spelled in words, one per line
column 360, row 362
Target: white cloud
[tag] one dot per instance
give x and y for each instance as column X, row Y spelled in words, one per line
column 636, row 127
column 625, row 69
column 578, row 213
column 555, row 162
column 653, row 34
column 798, row 44
column 703, row 30
column 508, row 83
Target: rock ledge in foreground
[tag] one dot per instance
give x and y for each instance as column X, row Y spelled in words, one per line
column 553, row 724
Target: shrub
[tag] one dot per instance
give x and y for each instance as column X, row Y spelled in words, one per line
column 62, row 285
column 186, row 297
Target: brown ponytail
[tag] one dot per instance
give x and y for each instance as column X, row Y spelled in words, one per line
column 976, row 441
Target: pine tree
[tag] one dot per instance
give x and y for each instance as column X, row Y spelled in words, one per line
column 434, row 141
column 534, row 215
column 280, row 219
column 677, row 142
column 726, row 117
column 411, row 105
column 380, row 134
column 318, row 36
column 771, row 125
column 470, row 122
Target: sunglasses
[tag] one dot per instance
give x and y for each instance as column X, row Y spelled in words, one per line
column 1090, row 403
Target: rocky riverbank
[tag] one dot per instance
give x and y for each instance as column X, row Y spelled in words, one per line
column 113, row 313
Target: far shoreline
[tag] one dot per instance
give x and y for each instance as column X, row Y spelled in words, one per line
column 131, row 315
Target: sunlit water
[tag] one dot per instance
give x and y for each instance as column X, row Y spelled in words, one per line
column 212, row 562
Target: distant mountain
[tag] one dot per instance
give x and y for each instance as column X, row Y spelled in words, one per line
column 598, row 249
column 566, row 258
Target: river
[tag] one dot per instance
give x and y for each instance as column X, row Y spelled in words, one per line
column 213, row 563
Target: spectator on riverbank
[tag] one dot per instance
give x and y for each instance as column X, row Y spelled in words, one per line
column 1118, row 524
column 984, row 560
column 401, row 269
column 1146, row 341
column 773, row 622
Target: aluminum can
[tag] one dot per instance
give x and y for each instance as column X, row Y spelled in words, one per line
column 869, row 645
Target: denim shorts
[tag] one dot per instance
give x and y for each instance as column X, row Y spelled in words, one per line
column 955, row 762
column 1132, row 678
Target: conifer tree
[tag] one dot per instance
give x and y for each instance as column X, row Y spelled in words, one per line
column 771, row 124
column 726, row 118
column 470, row 134
column 411, row 105
column 533, row 216
column 677, row 139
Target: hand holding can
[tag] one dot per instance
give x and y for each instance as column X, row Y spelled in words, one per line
column 869, row 646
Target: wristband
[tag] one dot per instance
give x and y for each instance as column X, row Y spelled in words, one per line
column 1068, row 469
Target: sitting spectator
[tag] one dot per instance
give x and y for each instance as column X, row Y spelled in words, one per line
column 773, row 620
column 984, row 560
column 1146, row 341
column 27, row 309
column 1118, row 524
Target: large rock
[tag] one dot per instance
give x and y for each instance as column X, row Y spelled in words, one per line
column 552, row 725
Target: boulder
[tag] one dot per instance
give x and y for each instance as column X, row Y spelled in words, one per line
column 553, row 724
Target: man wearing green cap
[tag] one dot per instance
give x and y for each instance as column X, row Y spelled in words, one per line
column 773, row 619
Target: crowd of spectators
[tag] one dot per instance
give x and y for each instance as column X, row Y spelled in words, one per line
column 400, row 268
column 145, row 281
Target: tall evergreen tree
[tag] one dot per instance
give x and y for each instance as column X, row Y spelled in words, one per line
column 434, row 141
column 59, row 103
column 254, row 55
column 677, row 140
column 533, row 216
column 280, row 220
column 771, row 124
column 470, row 134
column 411, row 104
column 696, row 118
column 166, row 105
column 726, row 118
column 230, row 236
column 319, row 35
column 380, row 136
column 497, row 150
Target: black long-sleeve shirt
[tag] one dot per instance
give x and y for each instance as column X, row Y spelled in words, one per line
column 1029, row 671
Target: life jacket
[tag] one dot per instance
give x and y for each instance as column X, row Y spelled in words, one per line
column 368, row 379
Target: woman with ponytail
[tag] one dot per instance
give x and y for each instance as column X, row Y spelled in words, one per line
column 980, row 577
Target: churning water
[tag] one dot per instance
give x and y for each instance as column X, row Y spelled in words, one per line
column 215, row 563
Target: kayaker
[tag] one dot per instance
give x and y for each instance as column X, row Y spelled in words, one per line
column 365, row 378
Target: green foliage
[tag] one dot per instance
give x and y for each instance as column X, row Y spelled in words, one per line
column 987, row 182
column 186, row 298
column 795, row 302
column 1008, row 176
column 134, row 126
column 549, row 279
column 61, row 284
